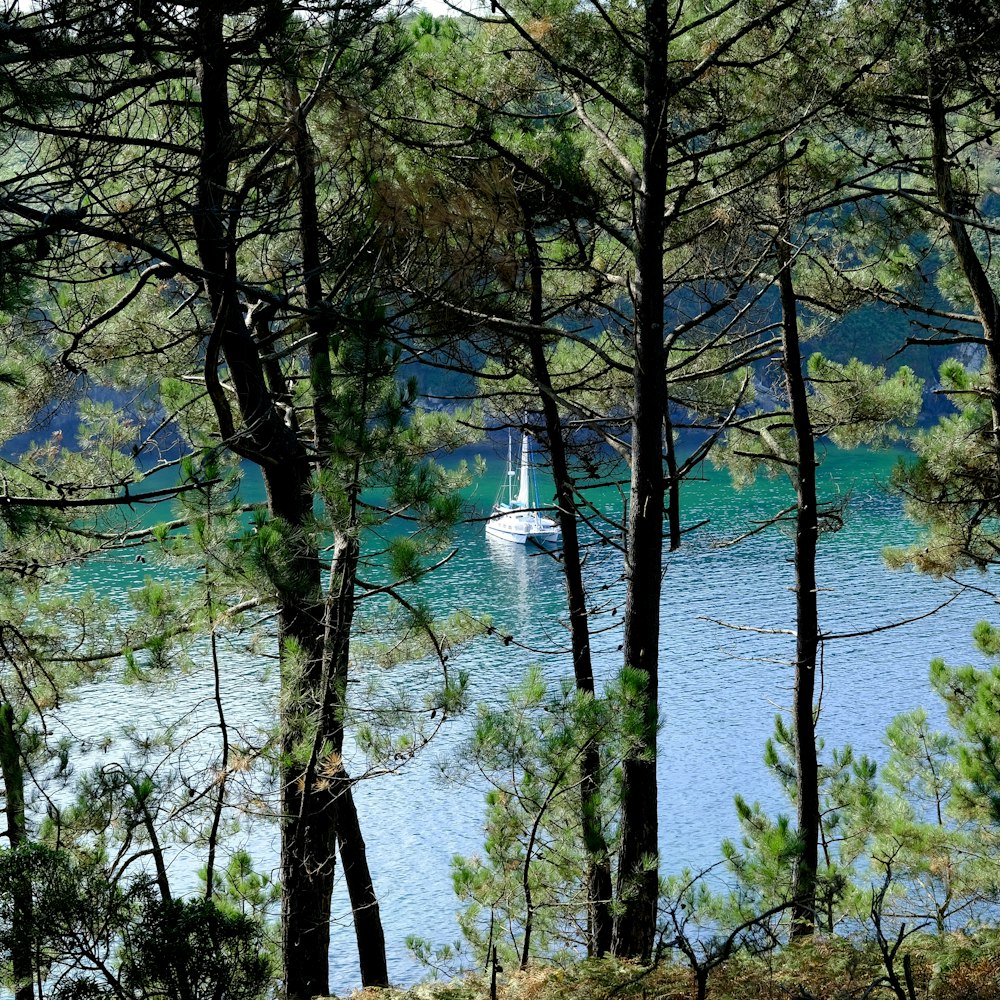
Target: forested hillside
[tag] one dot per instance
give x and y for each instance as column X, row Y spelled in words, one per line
column 316, row 247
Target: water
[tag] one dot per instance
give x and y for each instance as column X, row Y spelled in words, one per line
column 721, row 685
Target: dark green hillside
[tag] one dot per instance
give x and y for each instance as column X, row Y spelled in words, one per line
column 875, row 334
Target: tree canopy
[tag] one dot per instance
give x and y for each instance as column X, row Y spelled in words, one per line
column 320, row 244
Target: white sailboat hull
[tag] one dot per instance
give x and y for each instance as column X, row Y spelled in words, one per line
column 522, row 526
column 518, row 520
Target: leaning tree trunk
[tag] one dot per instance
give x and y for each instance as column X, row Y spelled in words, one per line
column 339, row 618
column 364, row 902
column 638, row 883
column 806, row 609
column 599, row 923
column 340, row 601
column 975, row 274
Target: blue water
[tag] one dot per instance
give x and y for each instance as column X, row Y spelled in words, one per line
column 720, row 686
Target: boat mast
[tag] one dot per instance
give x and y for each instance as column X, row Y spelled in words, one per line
column 523, row 495
column 510, row 468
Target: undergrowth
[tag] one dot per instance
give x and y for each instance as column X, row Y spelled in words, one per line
column 954, row 967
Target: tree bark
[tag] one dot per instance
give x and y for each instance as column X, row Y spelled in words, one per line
column 340, row 604
column 638, row 884
column 310, row 690
column 364, row 902
column 599, row 922
column 806, row 609
column 308, row 808
column 22, row 917
column 312, row 800
column 976, row 277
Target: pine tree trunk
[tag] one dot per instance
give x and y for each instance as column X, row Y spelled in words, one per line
column 308, row 806
column 261, row 434
column 976, row 277
column 638, row 883
column 22, row 916
column 599, row 922
column 340, row 604
column 308, row 841
column 364, row 902
column 806, row 608
column 313, row 630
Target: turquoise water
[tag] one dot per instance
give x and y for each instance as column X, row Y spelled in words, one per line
column 720, row 687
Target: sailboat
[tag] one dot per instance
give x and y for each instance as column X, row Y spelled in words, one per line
column 517, row 519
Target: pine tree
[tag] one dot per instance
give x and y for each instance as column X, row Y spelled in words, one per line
column 215, row 197
column 621, row 209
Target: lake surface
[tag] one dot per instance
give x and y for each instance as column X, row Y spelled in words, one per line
column 720, row 687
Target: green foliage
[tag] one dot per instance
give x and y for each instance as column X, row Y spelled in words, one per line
column 635, row 717
column 75, row 914
column 264, row 556
column 589, row 373
column 973, row 699
column 194, row 950
column 898, row 267
column 853, row 404
column 919, row 836
column 241, row 890
column 921, row 765
column 446, row 960
column 530, row 878
column 856, row 404
column 759, row 448
column 769, row 850
column 925, row 824
column 334, row 369
column 105, row 933
column 948, row 490
column 763, row 862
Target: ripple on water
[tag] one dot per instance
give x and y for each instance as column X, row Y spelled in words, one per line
column 720, row 686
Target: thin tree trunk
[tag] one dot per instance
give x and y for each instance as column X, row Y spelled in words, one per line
column 599, row 922
column 976, row 277
column 638, row 883
column 364, row 902
column 673, row 480
column 312, row 266
column 340, row 613
column 22, row 917
column 220, row 797
column 806, row 609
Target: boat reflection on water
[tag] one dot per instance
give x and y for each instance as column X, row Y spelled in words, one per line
column 520, row 573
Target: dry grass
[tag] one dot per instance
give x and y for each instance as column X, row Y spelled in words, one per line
column 953, row 968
